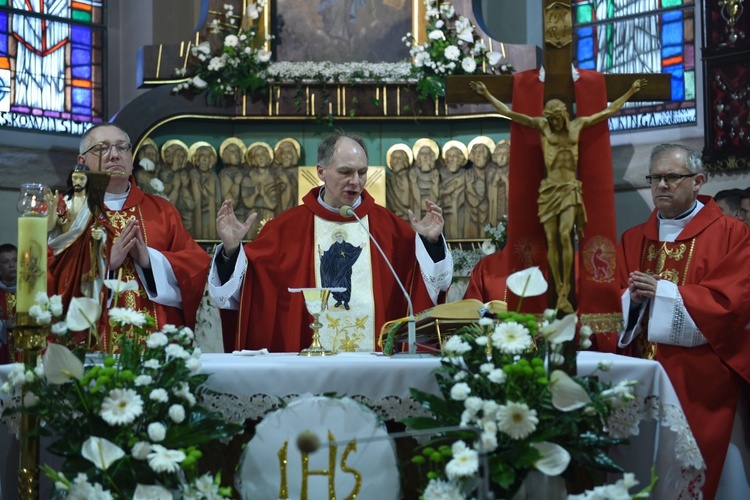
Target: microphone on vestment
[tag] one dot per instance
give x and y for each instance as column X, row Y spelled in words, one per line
column 347, row 211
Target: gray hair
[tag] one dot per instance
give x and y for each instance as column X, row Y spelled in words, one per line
column 86, row 137
column 693, row 160
column 327, row 148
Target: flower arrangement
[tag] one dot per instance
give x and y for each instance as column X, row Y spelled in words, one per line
column 501, row 380
column 498, row 236
column 452, row 48
column 233, row 61
column 130, row 426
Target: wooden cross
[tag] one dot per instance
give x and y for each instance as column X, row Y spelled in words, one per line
column 556, row 60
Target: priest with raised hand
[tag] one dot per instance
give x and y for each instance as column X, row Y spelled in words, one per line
column 255, row 279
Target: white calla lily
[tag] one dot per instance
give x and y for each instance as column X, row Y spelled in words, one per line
column 118, row 286
column 61, row 365
column 567, row 394
column 555, row 458
column 494, row 58
column 83, row 313
column 527, row 283
column 101, row 452
column 560, row 330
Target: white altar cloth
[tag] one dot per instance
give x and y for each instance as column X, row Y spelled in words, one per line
column 248, row 387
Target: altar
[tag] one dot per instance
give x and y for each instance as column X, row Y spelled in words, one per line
column 249, row 387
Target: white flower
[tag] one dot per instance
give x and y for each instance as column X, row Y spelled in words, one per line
column 176, row 351
column 157, row 431
column 142, row 380
column 452, row 53
column 466, row 34
column 438, row 489
column 198, row 82
column 215, row 64
column 486, row 367
column 151, row 492
column 460, row 391
column 140, row 450
column 42, row 316
column 620, row 393
column 252, row 11
column 162, row 459
column 586, row 331
column 459, row 376
column 30, row 400
column 121, row 407
column 604, row 365
column 554, row 458
column 59, row 328
column 436, row 35
column 421, row 59
column 101, row 452
column 124, row 316
column 585, row 344
column 61, row 365
column 487, row 246
column 156, row 339
column 493, row 58
column 41, row 298
column 193, row 364
column 83, row 313
column 118, row 286
column 456, row 345
column 489, row 441
column 264, row 55
column 231, row 41
column 177, row 413
column 203, row 48
column 567, row 394
column 468, row 64
column 496, row 376
column 511, row 337
column 560, row 330
column 464, row 463
column 152, row 363
column 159, row 395
column 527, row 283
column 56, row 305
column 516, row 420
column 482, row 339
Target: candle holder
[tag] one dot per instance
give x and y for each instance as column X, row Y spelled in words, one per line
column 316, row 301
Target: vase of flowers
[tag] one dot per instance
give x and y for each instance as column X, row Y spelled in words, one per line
column 452, row 48
column 130, row 425
column 232, row 60
column 501, row 380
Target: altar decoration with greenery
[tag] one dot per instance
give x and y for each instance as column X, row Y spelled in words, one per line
column 128, row 425
column 501, row 380
column 453, row 47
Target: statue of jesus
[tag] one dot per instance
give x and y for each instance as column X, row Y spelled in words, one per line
column 560, row 195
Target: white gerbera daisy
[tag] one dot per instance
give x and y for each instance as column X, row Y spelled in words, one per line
column 452, row 53
column 162, row 459
column 511, row 337
column 124, row 316
column 516, row 420
column 121, row 407
column 464, row 463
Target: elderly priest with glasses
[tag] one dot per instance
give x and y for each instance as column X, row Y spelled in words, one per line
column 685, row 273
column 137, row 236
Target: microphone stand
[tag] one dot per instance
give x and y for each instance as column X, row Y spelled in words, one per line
column 347, row 211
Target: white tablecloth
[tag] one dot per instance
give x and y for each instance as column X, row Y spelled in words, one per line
column 248, row 387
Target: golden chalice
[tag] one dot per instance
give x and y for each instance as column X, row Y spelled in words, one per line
column 316, row 301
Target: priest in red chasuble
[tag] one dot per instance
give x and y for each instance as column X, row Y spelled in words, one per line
column 8, row 258
column 287, row 253
column 686, row 279
column 141, row 236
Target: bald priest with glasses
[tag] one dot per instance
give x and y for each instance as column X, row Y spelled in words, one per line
column 138, row 236
column 685, row 275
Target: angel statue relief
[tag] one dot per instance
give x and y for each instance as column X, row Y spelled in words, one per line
column 560, row 195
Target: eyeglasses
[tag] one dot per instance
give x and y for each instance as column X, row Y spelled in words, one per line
column 670, row 179
column 103, row 149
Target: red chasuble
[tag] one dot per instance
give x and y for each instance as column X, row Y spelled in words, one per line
column 487, row 281
column 713, row 279
column 163, row 231
column 283, row 256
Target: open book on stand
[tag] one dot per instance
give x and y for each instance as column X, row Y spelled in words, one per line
column 436, row 324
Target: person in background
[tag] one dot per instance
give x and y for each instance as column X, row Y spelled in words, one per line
column 8, row 259
column 144, row 240
column 685, row 275
column 729, row 202
column 255, row 278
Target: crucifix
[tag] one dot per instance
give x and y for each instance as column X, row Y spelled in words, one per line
column 596, row 255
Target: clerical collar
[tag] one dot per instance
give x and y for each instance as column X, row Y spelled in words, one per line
column 332, row 209
column 8, row 288
column 115, row 201
column 670, row 229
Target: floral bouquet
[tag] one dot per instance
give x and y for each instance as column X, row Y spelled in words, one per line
column 452, row 48
column 500, row 379
column 130, row 427
column 233, row 62
column 498, row 236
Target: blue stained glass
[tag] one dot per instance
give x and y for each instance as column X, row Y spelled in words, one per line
column 587, row 31
column 82, row 72
column 81, row 97
column 672, row 30
column 80, row 56
column 585, row 49
column 671, row 51
column 3, row 34
column 81, row 111
column 678, row 85
column 80, row 35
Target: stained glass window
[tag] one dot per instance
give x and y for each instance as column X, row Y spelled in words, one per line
column 641, row 36
column 51, row 71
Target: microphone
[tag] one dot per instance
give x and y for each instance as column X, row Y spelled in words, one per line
column 347, row 211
